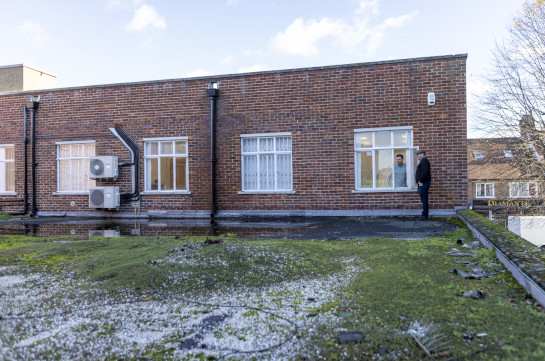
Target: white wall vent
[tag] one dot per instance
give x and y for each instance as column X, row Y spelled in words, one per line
column 104, row 197
column 103, row 167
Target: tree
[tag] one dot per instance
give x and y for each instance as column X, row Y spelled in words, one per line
column 514, row 103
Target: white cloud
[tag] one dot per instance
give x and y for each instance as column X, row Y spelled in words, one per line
column 253, row 69
column 146, row 17
column 34, row 32
column 376, row 37
column 300, row 38
column 303, row 37
column 232, row 2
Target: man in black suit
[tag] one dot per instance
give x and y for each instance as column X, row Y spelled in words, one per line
column 423, row 178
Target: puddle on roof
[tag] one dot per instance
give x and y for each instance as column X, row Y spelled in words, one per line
column 292, row 228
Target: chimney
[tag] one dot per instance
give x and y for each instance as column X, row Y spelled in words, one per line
column 527, row 126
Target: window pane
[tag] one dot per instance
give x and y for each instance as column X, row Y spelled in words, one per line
column 383, row 139
column 167, row 148
column 152, row 169
column 401, row 138
column 10, row 177
column 400, row 172
column 532, row 192
column 167, row 173
column 181, row 148
column 86, row 178
column 64, row 175
column 266, row 172
column 89, row 150
column 77, row 150
column 364, row 140
column 9, row 153
column 283, row 144
column 77, row 175
column 64, row 151
column 283, row 171
column 181, row 180
column 383, row 167
column 366, row 169
column 249, row 145
column 152, row 148
column 266, row 144
column 250, row 172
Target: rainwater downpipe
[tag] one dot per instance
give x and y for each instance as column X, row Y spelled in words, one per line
column 33, row 104
column 119, row 132
column 213, row 92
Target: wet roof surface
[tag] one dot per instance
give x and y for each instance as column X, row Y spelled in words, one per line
column 330, row 228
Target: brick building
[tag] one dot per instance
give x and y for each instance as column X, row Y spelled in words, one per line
column 316, row 141
column 501, row 177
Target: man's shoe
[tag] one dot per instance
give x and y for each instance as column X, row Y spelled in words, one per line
column 423, row 218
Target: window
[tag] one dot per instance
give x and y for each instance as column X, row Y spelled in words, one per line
column 7, row 171
column 73, row 166
column 478, row 154
column 166, row 164
column 375, row 152
column 485, row 190
column 266, row 163
column 523, row 189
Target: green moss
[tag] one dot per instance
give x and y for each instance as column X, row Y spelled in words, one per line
column 524, row 254
column 395, row 283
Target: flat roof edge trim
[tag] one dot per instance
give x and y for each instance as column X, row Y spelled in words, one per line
column 232, row 75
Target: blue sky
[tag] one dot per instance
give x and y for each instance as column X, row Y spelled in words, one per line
column 88, row 42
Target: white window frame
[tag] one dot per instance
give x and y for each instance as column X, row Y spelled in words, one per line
column 3, row 173
column 488, row 190
column 147, row 171
column 85, row 169
column 410, row 159
column 516, row 187
column 259, row 152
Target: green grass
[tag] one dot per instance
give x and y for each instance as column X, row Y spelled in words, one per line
column 396, row 283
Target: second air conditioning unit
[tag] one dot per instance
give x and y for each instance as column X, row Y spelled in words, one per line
column 103, row 167
column 104, row 197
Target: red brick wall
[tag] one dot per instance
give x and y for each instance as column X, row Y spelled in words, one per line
column 321, row 107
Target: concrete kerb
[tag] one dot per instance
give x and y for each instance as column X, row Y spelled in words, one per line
column 521, row 275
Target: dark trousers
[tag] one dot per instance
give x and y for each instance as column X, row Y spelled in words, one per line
column 423, row 191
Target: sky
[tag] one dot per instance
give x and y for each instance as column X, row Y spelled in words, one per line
column 90, row 42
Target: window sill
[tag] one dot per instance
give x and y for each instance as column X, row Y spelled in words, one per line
column 485, row 197
column 266, row 192
column 8, row 194
column 388, row 190
column 165, row 192
column 71, row 193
